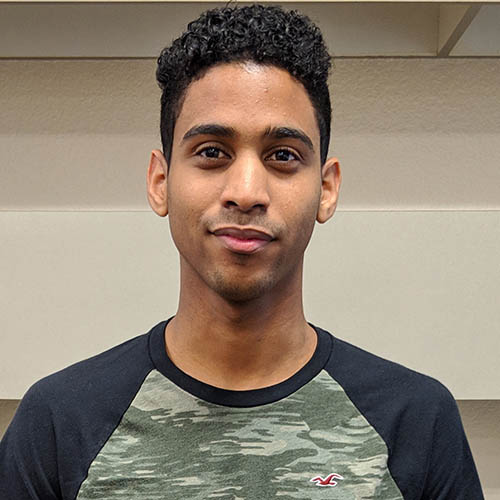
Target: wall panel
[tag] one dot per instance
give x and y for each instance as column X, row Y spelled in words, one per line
column 420, row 288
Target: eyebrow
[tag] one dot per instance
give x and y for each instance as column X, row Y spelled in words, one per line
column 288, row 132
column 272, row 132
column 209, row 129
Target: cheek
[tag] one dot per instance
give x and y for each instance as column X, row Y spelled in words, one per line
column 185, row 197
column 188, row 203
column 300, row 217
column 180, row 210
column 301, row 205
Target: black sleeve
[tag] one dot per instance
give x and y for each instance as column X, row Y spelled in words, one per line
column 28, row 452
column 452, row 473
column 64, row 419
column 418, row 419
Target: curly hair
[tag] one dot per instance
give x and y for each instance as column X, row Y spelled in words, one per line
column 258, row 33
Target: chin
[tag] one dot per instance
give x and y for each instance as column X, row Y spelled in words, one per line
column 240, row 291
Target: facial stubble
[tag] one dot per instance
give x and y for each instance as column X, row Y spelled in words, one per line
column 235, row 289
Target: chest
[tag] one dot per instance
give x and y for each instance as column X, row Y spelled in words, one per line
column 288, row 450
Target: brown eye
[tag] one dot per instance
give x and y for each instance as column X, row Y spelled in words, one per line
column 211, row 152
column 283, row 155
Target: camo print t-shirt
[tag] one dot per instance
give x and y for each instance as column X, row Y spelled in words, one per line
column 127, row 424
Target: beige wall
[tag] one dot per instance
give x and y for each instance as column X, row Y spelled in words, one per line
column 418, row 287
column 411, row 134
column 408, row 268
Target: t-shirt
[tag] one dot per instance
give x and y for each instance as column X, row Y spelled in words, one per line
column 128, row 424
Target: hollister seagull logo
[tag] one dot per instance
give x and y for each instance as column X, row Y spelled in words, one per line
column 327, row 481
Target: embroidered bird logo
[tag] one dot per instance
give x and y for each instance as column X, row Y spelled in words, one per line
column 327, row 481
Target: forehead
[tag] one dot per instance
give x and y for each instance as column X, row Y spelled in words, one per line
column 248, row 97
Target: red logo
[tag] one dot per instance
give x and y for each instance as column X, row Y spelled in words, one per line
column 327, row 481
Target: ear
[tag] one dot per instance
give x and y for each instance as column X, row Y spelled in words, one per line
column 157, row 183
column 330, row 185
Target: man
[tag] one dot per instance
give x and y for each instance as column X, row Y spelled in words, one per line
column 237, row 395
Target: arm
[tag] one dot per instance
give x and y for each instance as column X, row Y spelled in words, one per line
column 452, row 474
column 28, row 452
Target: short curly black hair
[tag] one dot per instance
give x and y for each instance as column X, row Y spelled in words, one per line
column 257, row 33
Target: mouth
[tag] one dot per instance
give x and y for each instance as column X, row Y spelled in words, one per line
column 243, row 240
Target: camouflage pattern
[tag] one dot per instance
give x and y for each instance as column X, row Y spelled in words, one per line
column 172, row 445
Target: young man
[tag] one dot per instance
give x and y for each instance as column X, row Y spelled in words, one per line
column 237, row 396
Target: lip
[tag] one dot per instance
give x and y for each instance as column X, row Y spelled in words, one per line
column 242, row 240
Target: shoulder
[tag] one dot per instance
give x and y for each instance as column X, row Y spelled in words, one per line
column 107, row 371
column 65, row 418
column 416, row 416
column 368, row 378
column 396, row 400
column 91, row 393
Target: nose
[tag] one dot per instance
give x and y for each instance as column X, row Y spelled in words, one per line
column 246, row 185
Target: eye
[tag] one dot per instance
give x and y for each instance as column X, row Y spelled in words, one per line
column 211, row 152
column 283, row 155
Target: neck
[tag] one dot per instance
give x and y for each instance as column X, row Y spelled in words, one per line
column 240, row 345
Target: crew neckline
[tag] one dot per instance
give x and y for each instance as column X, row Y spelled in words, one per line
column 243, row 398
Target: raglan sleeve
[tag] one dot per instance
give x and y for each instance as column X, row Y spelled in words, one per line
column 452, row 474
column 28, row 452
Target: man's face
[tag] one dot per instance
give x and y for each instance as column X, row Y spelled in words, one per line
column 245, row 182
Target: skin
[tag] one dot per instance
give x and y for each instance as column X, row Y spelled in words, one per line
column 240, row 323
